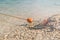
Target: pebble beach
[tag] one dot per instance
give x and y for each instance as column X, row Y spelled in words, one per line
column 11, row 31
column 12, row 28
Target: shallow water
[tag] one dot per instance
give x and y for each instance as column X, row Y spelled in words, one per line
column 30, row 8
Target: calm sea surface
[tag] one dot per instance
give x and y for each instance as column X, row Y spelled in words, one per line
column 30, row 8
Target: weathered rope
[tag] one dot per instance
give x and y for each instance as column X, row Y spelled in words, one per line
column 13, row 16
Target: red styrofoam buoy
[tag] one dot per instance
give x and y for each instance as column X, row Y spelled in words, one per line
column 30, row 20
column 45, row 21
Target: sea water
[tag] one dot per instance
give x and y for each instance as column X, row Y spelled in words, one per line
column 30, row 8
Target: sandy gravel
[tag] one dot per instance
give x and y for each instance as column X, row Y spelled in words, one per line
column 10, row 31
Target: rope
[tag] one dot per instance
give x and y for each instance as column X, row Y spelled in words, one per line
column 13, row 16
column 30, row 20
